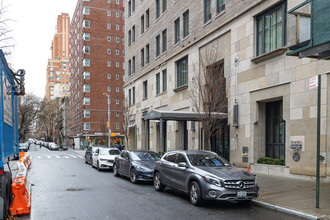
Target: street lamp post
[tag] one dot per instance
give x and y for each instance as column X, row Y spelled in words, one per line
column 109, row 128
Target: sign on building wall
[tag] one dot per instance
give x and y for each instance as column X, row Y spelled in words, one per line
column 313, row 82
column 7, row 102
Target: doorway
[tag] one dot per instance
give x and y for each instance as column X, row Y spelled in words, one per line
column 220, row 140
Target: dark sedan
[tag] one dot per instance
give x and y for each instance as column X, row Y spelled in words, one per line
column 204, row 176
column 137, row 165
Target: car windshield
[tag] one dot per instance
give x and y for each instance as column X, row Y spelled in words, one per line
column 149, row 156
column 207, row 160
column 109, row 152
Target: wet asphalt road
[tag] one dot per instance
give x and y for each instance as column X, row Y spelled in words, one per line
column 64, row 187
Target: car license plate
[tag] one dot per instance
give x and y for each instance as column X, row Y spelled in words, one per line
column 241, row 194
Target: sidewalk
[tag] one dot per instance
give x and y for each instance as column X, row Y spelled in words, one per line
column 294, row 196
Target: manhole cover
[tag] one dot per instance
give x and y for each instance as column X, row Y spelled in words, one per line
column 75, row 189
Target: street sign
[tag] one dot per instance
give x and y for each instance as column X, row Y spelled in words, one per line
column 313, row 82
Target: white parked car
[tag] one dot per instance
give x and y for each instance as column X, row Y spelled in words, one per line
column 53, row 146
column 103, row 158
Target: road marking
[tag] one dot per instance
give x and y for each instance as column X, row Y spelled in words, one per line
column 66, row 156
column 81, row 157
column 48, row 157
column 73, row 156
column 58, row 156
column 39, row 157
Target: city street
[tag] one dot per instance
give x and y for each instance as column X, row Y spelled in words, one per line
column 64, row 187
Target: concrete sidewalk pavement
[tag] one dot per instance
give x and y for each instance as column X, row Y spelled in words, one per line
column 294, row 196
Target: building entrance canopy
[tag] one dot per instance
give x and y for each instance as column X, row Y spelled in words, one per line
column 180, row 115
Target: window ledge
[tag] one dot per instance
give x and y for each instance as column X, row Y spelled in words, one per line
column 144, row 99
column 220, row 13
column 181, row 88
column 161, row 93
column 207, row 23
column 269, row 55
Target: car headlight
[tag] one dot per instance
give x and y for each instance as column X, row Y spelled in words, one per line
column 142, row 168
column 255, row 180
column 213, row 181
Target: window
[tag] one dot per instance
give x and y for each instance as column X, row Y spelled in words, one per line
column 87, row 113
column 176, row 30
column 164, row 5
column 117, row 88
column 86, row 101
column 157, row 83
column 117, row 76
column 117, row 39
column 109, row 75
column 86, row 62
column 86, row 49
column 86, row 75
column 129, row 8
column 108, row 25
column 157, row 46
column 86, row 88
column 117, row 64
column 147, row 19
column 109, row 88
column 142, row 58
column 220, row 5
column 86, row 36
column 109, row 13
column 186, row 24
column 157, row 9
column 117, row 14
column 170, row 157
column 108, row 50
column 117, row 101
column 109, row 63
column 133, row 65
column 271, row 29
column 117, row 126
column 207, row 11
column 129, row 97
column 129, row 67
column 145, row 89
column 108, row 38
column 133, row 6
column 117, row 114
column 164, row 39
column 117, row 52
column 133, row 95
column 133, row 34
column 85, row 10
column 86, row 24
column 182, row 72
column 86, row 126
column 129, row 38
column 117, row 27
column 164, row 74
column 147, row 54
column 142, row 24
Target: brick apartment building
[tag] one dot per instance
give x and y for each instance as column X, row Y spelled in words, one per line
column 97, row 67
column 58, row 73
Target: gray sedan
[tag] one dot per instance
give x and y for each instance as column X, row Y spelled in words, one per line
column 204, row 176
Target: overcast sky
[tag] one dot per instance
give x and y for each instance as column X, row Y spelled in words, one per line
column 33, row 31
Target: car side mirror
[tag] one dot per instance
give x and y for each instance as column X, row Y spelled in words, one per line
column 182, row 164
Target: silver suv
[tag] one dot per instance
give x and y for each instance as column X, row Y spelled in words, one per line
column 204, row 176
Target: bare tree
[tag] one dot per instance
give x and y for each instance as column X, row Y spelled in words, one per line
column 128, row 113
column 29, row 106
column 6, row 40
column 208, row 94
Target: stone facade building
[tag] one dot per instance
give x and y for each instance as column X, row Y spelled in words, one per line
column 97, row 66
column 276, row 110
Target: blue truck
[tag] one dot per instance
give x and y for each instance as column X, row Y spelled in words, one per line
column 12, row 86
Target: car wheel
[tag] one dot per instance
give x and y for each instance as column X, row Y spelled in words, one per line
column 157, row 183
column 133, row 175
column 98, row 166
column 115, row 171
column 195, row 194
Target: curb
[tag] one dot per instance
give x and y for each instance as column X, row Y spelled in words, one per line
column 287, row 210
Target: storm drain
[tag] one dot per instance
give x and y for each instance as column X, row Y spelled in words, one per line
column 75, row 189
